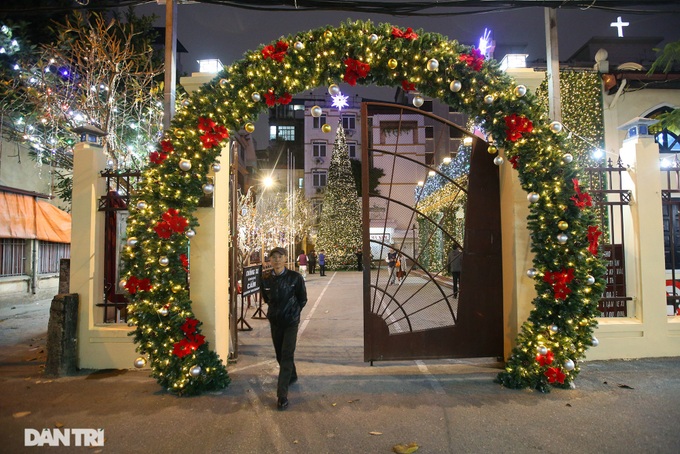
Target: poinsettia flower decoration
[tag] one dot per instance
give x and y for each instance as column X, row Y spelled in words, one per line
column 559, row 280
column 408, row 86
column 581, row 199
column 516, row 126
column 213, row 133
column 271, row 99
column 277, row 52
column 192, row 340
column 354, row 70
column 171, row 222
column 134, row 284
column 594, row 233
column 545, row 360
column 474, row 60
column 555, row 374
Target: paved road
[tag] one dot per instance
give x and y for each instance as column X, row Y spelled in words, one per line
column 340, row 404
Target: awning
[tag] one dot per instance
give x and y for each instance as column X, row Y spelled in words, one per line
column 25, row 217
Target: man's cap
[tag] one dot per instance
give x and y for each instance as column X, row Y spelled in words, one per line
column 278, row 250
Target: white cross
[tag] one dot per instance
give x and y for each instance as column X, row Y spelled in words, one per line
column 619, row 24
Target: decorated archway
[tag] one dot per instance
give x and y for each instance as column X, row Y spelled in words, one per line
column 567, row 272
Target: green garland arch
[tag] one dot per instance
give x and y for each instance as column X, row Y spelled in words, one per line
column 567, row 274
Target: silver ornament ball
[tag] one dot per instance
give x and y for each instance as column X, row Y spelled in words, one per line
column 122, row 283
column 208, row 189
column 556, row 127
column 316, row 111
column 455, row 86
column 488, row 99
column 163, row 261
column 186, row 103
column 594, row 341
column 562, row 238
column 141, row 205
column 132, row 241
column 195, row 371
column 140, row 362
column 334, row 90
column 256, row 97
column 373, row 38
column 554, row 328
column 432, row 64
column 498, row 160
column 224, row 83
column 298, row 45
column 542, row 350
column 567, row 158
column 216, row 167
column 520, row 91
column 590, row 280
column 533, row 197
column 190, row 233
column 418, row 101
column 532, row 272
column 569, row 364
column 163, row 311
column 185, row 165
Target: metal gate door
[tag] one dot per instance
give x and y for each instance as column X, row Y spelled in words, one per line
column 418, row 316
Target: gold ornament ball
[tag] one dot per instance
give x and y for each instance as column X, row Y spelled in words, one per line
column 562, row 225
column 179, row 133
column 492, row 149
column 326, row 128
column 392, row 63
column 249, row 127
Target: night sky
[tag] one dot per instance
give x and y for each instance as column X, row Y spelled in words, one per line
column 213, row 31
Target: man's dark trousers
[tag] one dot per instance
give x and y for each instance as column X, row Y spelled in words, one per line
column 284, row 339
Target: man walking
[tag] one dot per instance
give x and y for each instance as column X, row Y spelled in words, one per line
column 322, row 263
column 456, row 266
column 285, row 293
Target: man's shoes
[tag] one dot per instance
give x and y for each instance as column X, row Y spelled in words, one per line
column 282, row 403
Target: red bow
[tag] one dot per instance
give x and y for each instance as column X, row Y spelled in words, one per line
column 517, row 125
column 594, row 233
column 185, row 262
column 474, row 59
column 581, row 199
column 408, row 34
column 555, row 374
column 133, row 285
column 157, row 157
column 271, row 99
column 275, row 53
column 407, row 86
column 545, row 360
column 514, row 161
column 559, row 281
column 355, row 70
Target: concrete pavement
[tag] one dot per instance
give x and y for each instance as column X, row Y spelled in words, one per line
column 340, row 404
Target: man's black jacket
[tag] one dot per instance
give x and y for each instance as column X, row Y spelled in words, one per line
column 286, row 295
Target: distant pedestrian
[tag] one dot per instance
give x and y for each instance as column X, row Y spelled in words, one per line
column 302, row 264
column 285, row 294
column 322, row 262
column 311, row 258
column 391, row 264
column 359, row 254
column 456, row 266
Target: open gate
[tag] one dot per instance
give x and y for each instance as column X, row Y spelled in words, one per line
column 418, row 317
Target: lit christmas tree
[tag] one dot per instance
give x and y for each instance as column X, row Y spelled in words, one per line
column 340, row 225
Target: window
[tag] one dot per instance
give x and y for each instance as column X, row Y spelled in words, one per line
column 319, row 121
column 429, row 132
column 286, row 133
column 319, row 179
column 319, row 149
column 671, row 233
column 352, row 149
column 50, row 254
column 427, row 106
column 349, row 122
column 12, row 257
